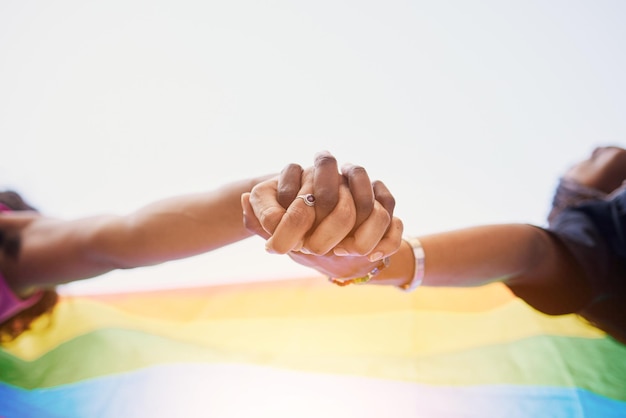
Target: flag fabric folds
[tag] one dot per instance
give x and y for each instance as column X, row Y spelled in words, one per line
column 305, row 348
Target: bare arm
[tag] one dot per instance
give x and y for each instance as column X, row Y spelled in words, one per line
column 528, row 259
column 57, row 251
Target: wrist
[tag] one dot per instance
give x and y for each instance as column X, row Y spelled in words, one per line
column 400, row 270
column 383, row 264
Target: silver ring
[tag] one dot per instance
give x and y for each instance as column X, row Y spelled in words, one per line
column 308, row 199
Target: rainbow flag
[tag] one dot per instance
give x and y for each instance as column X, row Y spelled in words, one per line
column 306, row 348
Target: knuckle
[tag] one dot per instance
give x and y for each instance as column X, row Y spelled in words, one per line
column 360, row 248
column 398, row 225
column 324, row 160
column 355, row 170
column 292, row 167
column 345, row 212
column 287, row 191
column 300, row 216
column 325, row 204
column 365, row 206
column 316, row 249
column 382, row 216
column 269, row 218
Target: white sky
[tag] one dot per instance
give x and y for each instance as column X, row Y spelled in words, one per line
column 468, row 110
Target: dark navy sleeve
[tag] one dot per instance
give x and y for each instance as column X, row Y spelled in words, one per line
column 583, row 240
column 595, row 234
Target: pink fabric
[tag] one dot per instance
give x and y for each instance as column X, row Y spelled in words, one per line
column 10, row 303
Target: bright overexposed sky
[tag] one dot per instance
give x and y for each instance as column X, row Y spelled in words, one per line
column 467, row 110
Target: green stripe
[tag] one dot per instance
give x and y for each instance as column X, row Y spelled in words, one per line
column 597, row 365
column 99, row 353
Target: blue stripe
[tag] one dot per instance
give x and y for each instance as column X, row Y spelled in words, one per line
column 200, row 390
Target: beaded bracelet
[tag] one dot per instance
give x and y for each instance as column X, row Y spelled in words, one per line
column 418, row 275
column 362, row 280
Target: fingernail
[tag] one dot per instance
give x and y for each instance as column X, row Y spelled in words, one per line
column 340, row 251
column 304, row 251
column 269, row 250
column 376, row 256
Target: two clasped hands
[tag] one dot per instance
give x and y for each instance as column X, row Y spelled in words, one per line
column 336, row 221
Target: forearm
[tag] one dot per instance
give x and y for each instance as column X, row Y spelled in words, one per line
column 179, row 227
column 534, row 264
column 475, row 256
column 57, row 251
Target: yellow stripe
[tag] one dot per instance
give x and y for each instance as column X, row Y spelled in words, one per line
column 305, row 297
column 300, row 322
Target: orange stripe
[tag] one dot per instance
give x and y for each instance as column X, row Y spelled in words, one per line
column 304, row 297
